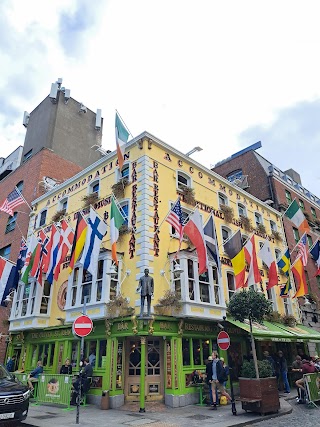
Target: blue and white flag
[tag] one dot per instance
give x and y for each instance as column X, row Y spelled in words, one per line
column 97, row 229
column 210, row 238
column 53, row 252
column 7, row 278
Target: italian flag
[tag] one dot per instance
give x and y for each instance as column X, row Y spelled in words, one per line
column 122, row 136
column 30, row 257
column 295, row 214
column 116, row 220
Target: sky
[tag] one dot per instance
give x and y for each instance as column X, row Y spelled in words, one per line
column 221, row 75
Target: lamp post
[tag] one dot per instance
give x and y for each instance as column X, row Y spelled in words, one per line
column 233, row 402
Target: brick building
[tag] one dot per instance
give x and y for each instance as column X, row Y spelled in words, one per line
column 261, row 178
column 58, row 144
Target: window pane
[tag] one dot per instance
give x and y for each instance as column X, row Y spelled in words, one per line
column 43, row 217
column 125, row 171
column 185, row 351
column 102, row 354
column 5, row 251
column 205, row 349
column 196, row 351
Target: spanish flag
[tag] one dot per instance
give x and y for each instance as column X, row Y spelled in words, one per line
column 233, row 248
column 78, row 242
column 300, row 277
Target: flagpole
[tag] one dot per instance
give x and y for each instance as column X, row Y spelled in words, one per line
column 124, row 123
column 124, row 216
column 19, row 192
column 297, row 243
column 229, row 238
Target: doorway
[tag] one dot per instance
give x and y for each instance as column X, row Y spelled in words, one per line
column 154, row 381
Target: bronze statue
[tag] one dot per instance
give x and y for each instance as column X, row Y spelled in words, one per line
column 146, row 288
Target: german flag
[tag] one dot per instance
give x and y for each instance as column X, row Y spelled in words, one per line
column 78, row 242
column 233, row 247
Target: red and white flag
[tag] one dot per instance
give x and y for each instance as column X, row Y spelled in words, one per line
column 194, row 230
column 250, row 254
column 66, row 240
column 266, row 255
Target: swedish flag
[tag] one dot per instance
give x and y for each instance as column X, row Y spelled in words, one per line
column 284, row 263
column 284, row 292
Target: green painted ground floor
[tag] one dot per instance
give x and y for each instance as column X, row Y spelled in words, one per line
column 154, row 357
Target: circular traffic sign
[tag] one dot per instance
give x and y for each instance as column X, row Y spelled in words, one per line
column 82, row 326
column 223, row 340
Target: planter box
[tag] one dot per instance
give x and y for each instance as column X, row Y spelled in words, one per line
column 259, row 395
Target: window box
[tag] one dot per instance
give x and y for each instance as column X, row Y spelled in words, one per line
column 188, row 195
column 118, row 187
column 246, row 222
column 89, row 199
column 261, row 229
column 58, row 215
column 228, row 213
column 119, row 307
column 276, row 235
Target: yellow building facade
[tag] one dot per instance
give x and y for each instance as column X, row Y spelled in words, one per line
column 177, row 338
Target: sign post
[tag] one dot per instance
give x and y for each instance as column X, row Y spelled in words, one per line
column 223, row 341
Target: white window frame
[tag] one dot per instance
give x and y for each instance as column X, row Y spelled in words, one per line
column 184, row 211
column 62, row 202
column 241, row 206
column 39, row 218
column 273, row 226
column 92, row 184
column 256, row 216
column 224, row 198
column 273, row 298
column 223, row 227
column 180, row 185
column 119, row 173
column 230, row 291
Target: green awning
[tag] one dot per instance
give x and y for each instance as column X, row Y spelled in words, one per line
column 302, row 333
column 265, row 331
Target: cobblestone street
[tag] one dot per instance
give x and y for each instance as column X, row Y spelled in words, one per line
column 302, row 416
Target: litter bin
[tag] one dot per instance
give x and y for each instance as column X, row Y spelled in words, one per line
column 105, row 399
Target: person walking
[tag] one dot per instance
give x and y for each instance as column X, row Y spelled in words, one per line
column 297, row 375
column 218, row 378
column 226, row 371
column 282, row 371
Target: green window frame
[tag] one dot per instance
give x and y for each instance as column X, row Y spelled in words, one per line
column 288, row 197
column 296, row 234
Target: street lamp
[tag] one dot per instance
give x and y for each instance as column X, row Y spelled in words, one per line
column 193, row 151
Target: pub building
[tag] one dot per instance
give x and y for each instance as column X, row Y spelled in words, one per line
column 152, row 356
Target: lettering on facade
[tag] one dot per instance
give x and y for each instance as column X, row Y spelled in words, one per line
column 175, row 365
column 94, row 175
column 134, row 172
column 169, row 374
column 123, row 326
column 132, row 241
column 50, row 334
column 197, row 328
column 165, row 326
column 156, row 238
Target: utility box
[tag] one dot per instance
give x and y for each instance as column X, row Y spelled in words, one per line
column 105, row 399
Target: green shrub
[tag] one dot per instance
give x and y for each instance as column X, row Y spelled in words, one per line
column 264, row 367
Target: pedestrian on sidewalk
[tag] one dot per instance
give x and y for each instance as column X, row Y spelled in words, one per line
column 218, row 378
column 282, row 372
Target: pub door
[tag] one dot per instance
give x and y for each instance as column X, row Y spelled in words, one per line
column 154, row 379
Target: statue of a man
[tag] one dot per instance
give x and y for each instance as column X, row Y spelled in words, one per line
column 146, row 289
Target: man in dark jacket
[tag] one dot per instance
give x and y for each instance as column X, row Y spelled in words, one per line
column 84, row 380
column 282, row 371
column 218, row 378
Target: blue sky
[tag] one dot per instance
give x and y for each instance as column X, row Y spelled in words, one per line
column 221, row 75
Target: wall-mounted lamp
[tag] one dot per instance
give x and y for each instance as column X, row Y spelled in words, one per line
column 112, row 271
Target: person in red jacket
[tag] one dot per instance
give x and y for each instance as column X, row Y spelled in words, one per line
column 306, row 368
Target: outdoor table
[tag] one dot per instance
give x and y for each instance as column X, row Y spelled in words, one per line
column 202, row 398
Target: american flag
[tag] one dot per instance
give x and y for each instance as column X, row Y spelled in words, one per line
column 13, row 200
column 302, row 250
column 175, row 219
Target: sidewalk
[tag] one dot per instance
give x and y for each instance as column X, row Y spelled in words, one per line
column 156, row 415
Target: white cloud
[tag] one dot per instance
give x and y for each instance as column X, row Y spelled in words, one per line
column 190, row 72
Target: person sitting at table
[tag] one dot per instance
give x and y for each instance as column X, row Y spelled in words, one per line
column 66, row 369
column 33, row 377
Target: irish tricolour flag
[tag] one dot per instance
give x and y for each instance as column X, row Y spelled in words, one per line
column 295, row 214
column 122, row 136
column 116, row 220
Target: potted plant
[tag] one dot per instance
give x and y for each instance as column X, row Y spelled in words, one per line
column 274, row 316
column 188, row 195
column 228, row 212
column 246, row 222
column 289, row 320
column 118, row 187
column 169, row 304
column 261, row 229
column 58, row 215
column 276, row 235
column 258, row 390
column 119, row 306
column 89, row 199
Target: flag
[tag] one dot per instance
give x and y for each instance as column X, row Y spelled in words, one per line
column 301, row 281
column 13, row 200
column 20, row 263
column 40, row 263
column 250, row 254
column 210, row 238
column 295, row 214
column 7, row 275
column 53, row 252
column 233, row 248
column 175, row 219
column 284, row 263
column 194, row 230
column 66, row 240
column 78, row 241
column 122, row 136
column 284, row 290
column 266, row 255
column 315, row 253
column 116, row 220
column 97, row 229
column 31, row 252
column 302, row 249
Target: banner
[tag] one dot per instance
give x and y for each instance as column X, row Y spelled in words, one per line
column 312, row 382
column 54, row 388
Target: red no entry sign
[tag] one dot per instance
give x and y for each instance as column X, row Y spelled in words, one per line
column 82, row 326
column 223, row 340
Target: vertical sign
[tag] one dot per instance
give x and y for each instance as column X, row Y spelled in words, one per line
column 168, row 360
column 175, row 365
